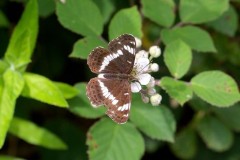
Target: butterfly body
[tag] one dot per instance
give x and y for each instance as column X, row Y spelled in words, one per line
column 112, row 86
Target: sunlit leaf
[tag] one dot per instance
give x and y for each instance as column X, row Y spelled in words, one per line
column 34, row 134
column 42, row 89
column 11, row 85
column 23, row 39
column 67, row 90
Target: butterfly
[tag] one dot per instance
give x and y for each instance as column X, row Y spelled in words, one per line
column 112, row 86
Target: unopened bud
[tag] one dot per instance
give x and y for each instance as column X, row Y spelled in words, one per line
column 156, row 99
column 154, row 67
column 155, row 51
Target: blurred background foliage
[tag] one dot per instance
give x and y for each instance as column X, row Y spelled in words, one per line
column 197, row 130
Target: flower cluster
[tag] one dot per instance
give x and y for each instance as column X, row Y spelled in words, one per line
column 141, row 73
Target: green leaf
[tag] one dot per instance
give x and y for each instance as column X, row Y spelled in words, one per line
column 35, row 135
column 230, row 116
column 178, row 58
column 194, row 37
column 156, row 122
column 83, row 47
column 46, row 7
column 82, row 17
column 107, row 7
column 24, row 37
column 216, row 88
column 179, row 90
column 126, row 21
column 67, row 90
column 4, row 157
column 40, row 88
column 216, row 135
column 227, row 23
column 200, row 11
column 108, row 140
column 11, row 85
column 81, row 105
column 3, row 66
column 3, row 20
column 160, row 11
column 185, row 146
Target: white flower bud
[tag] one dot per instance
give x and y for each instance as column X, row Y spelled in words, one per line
column 156, row 99
column 154, row 67
column 138, row 42
column 155, row 51
column 63, row 1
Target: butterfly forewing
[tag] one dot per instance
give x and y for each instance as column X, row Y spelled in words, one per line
column 112, row 87
column 125, row 46
column 119, row 58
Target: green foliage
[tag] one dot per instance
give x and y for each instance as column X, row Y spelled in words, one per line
column 42, row 137
column 82, row 17
column 15, row 82
column 185, row 145
column 108, row 141
column 179, row 90
column 24, row 37
column 178, row 58
column 11, row 86
column 3, row 20
column 229, row 116
column 199, row 11
column 47, row 92
column 196, row 38
column 107, row 8
column 227, row 23
column 125, row 21
column 163, row 14
column 216, row 136
column 84, row 46
column 46, row 7
column 160, row 125
column 216, row 88
column 206, row 86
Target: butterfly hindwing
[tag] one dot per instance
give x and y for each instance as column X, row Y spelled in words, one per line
column 114, row 94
